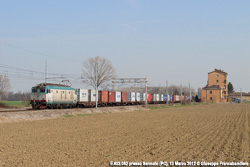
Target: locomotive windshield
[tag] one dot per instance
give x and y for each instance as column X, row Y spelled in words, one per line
column 38, row 90
column 34, row 90
column 42, row 90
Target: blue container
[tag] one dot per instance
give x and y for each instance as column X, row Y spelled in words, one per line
column 171, row 97
column 164, row 97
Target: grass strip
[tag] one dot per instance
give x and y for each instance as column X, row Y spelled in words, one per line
column 68, row 116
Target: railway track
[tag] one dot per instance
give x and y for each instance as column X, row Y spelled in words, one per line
column 30, row 109
column 16, row 110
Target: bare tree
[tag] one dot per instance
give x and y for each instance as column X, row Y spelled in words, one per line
column 4, row 85
column 98, row 72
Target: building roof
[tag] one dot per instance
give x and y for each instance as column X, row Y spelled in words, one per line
column 212, row 87
column 218, row 71
column 238, row 94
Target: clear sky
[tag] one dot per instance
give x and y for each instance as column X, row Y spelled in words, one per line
column 175, row 40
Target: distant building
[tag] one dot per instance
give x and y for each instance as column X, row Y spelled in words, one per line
column 237, row 95
column 216, row 89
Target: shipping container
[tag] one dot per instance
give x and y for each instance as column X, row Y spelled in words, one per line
column 177, row 98
column 137, row 96
column 149, row 97
column 118, row 97
column 111, row 96
column 164, row 97
column 152, row 97
column 82, row 95
column 124, row 97
column 91, row 95
column 131, row 96
column 157, row 97
column 142, row 96
column 103, row 96
column 171, row 98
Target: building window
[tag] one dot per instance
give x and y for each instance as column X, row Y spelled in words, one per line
column 217, row 75
column 211, row 98
column 211, row 92
column 217, row 81
column 225, row 97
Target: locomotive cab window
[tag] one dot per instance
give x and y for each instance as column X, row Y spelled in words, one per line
column 42, row 90
column 34, row 90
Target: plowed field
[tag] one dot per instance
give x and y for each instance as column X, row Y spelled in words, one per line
column 211, row 133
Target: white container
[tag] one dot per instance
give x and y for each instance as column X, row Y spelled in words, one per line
column 118, row 96
column 143, row 97
column 162, row 97
column 137, row 95
column 132, row 96
column 92, row 95
column 177, row 98
column 157, row 97
column 83, row 95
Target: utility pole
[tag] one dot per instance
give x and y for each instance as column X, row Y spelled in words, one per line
column 46, row 71
column 96, row 89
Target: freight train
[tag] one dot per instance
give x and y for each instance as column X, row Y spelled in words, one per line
column 54, row 96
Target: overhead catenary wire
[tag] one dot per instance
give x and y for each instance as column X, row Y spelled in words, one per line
column 17, row 74
column 15, row 70
column 37, row 53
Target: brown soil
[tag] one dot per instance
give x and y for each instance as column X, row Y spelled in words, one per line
column 211, row 133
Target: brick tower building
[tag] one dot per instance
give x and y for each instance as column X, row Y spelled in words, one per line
column 216, row 89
